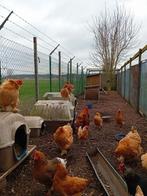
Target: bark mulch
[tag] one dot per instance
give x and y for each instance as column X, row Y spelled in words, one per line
column 20, row 181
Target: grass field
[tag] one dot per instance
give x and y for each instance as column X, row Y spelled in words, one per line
column 27, row 92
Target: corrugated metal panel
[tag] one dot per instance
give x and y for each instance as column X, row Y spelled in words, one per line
column 143, row 89
column 127, row 84
column 119, row 82
column 122, row 83
column 134, row 85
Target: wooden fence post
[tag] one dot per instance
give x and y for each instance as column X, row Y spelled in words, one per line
column 139, row 79
column 130, row 81
column 125, row 81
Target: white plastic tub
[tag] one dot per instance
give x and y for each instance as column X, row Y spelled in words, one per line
column 36, row 125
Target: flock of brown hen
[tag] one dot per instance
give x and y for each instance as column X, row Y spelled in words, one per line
column 129, row 149
column 53, row 172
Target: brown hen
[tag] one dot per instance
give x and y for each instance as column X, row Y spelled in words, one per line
column 67, row 185
column 98, row 121
column 63, row 137
column 43, row 169
column 119, row 117
column 9, row 94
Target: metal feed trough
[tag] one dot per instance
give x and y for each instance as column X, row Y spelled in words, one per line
column 111, row 181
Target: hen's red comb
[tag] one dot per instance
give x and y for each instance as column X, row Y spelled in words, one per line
column 19, row 82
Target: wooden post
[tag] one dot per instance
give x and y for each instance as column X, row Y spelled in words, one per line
column 130, row 80
column 125, row 81
column 36, row 68
column 77, row 79
column 59, row 53
column 139, row 79
column 121, row 81
column 82, row 83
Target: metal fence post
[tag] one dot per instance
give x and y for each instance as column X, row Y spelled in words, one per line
column 0, row 72
column 70, row 64
column 139, row 79
column 67, row 71
column 59, row 53
column 36, row 68
column 50, row 65
column 50, row 73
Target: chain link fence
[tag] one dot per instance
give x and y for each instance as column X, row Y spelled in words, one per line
column 17, row 62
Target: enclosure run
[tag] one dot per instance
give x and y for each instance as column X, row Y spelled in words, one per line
column 20, row 182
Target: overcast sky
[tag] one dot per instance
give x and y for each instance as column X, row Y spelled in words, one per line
column 66, row 21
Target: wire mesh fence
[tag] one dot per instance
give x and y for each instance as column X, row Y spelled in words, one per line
column 132, row 81
column 17, row 60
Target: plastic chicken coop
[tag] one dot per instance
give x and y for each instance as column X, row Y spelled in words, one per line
column 57, row 96
column 54, row 112
column 14, row 138
column 36, row 125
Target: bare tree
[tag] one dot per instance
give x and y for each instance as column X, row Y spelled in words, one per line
column 114, row 34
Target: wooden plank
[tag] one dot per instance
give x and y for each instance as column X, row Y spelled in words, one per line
column 92, row 86
column 6, row 173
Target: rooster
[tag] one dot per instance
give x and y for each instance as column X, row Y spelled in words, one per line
column 63, row 137
column 43, row 169
column 9, row 94
column 119, row 117
column 66, row 185
column 98, row 121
